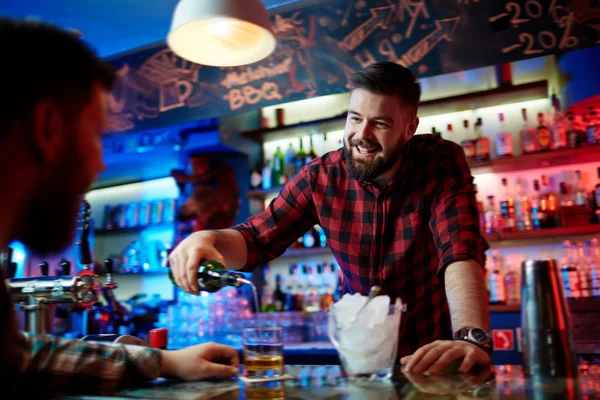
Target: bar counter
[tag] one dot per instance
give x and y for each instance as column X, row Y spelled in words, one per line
column 325, row 382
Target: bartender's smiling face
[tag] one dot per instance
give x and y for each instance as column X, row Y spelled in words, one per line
column 376, row 129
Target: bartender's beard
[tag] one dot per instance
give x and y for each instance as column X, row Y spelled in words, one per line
column 369, row 170
column 51, row 217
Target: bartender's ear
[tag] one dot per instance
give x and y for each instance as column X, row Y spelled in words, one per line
column 47, row 131
column 411, row 127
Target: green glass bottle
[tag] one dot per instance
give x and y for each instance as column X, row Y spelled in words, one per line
column 213, row 276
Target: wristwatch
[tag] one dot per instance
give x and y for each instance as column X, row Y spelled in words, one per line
column 477, row 336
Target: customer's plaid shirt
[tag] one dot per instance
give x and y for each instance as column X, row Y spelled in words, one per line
column 400, row 238
column 40, row 365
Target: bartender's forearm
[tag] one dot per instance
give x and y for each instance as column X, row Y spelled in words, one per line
column 467, row 295
column 232, row 245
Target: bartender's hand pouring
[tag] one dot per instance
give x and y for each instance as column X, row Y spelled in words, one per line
column 435, row 357
column 188, row 255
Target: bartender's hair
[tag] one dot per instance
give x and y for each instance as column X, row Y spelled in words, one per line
column 41, row 61
column 389, row 78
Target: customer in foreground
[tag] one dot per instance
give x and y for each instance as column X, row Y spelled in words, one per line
column 398, row 210
column 54, row 108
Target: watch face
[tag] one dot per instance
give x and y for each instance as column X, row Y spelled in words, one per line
column 478, row 335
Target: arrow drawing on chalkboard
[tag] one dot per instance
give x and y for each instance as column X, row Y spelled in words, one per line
column 445, row 30
column 380, row 19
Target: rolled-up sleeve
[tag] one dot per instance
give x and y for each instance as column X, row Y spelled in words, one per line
column 455, row 216
column 290, row 215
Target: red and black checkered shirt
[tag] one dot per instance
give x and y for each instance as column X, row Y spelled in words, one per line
column 400, row 238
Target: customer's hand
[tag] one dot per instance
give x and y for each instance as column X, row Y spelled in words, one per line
column 187, row 256
column 199, row 362
column 434, row 358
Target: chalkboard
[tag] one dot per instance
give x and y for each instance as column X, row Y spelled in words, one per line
column 320, row 45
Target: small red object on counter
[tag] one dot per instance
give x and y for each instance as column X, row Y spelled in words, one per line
column 159, row 338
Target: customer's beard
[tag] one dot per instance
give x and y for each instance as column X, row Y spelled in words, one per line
column 51, row 217
column 368, row 171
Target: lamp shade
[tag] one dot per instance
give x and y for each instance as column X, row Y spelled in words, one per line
column 221, row 33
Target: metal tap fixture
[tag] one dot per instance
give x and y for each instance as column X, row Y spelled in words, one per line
column 36, row 294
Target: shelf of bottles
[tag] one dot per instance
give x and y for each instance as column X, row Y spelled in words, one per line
column 580, row 270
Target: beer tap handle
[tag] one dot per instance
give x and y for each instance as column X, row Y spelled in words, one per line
column 65, row 267
column 109, row 265
column 110, row 278
column 85, row 255
column 12, row 269
column 44, row 268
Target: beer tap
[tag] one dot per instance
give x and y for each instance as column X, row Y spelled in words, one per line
column 36, row 294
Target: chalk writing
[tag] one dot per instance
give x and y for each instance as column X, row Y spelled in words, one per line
column 533, row 9
column 380, row 18
column 282, row 25
column 444, row 31
column 251, row 95
column 365, row 58
column 252, row 74
column 414, row 9
column 386, row 49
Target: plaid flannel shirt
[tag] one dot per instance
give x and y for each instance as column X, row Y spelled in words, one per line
column 401, row 237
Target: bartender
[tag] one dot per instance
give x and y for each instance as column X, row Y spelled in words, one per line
column 399, row 211
column 53, row 106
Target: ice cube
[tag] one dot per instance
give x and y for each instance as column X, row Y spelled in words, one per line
column 375, row 312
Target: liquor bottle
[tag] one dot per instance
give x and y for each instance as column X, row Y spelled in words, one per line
column 299, row 289
column 583, row 269
column 339, row 289
column 311, row 295
column 559, row 133
column 507, row 208
column 467, row 144
column 504, row 144
column 213, row 276
column 543, row 134
column 566, row 200
column 569, row 273
column 594, row 125
column 491, row 216
column 450, row 131
column 278, row 164
column 289, row 293
column 528, row 139
column 267, row 177
column 322, row 238
column 590, row 130
column 482, row 143
column 267, row 303
column 311, row 152
column 279, row 298
column 538, row 213
column 512, row 283
column 596, row 196
column 300, row 157
column 595, row 266
column 327, row 295
column 290, row 161
column 256, row 177
column 572, row 134
column 523, row 207
column 580, row 193
column 496, row 281
column 550, row 199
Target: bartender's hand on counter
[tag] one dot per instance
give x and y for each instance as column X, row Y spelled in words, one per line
column 188, row 255
column 434, row 358
column 202, row 361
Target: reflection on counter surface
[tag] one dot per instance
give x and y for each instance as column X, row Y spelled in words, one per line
column 326, row 382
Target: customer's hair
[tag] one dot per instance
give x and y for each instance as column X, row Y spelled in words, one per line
column 41, row 61
column 388, row 78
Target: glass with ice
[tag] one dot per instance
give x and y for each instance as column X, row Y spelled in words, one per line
column 367, row 342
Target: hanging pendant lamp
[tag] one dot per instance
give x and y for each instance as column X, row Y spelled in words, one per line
column 221, row 33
